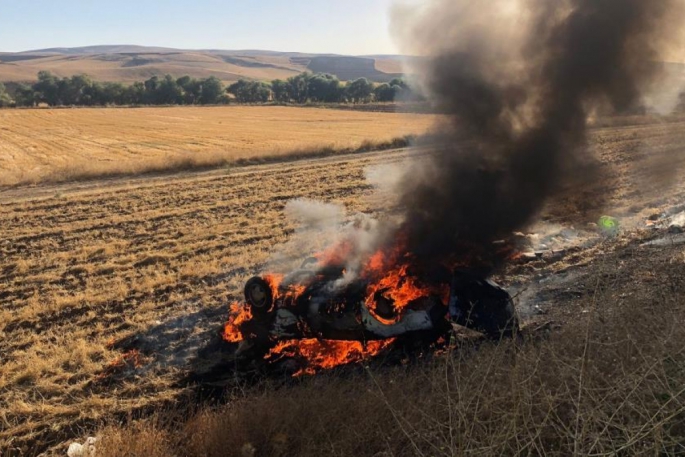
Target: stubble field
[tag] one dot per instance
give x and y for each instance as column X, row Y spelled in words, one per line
column 86, row 268
column 83, row 266
column 63, row 144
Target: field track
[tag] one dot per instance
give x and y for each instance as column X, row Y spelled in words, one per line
column 86, row 264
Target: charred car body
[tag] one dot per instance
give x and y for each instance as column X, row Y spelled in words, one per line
column 320, row 303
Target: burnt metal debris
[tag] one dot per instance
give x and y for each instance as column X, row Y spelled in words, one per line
column 325, row 308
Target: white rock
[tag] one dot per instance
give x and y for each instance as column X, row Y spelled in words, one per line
column 86, row 449
column 677, row 224
column 90, row 446
column 75, row 450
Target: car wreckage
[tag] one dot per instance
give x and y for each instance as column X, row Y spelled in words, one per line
column 319, row 302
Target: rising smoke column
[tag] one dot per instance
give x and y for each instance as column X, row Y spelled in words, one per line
column 517, row 81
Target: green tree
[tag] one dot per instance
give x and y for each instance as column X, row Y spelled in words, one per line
column 298, row 87
column 5, row 99
column 239, row 90
column 385, row 92
column 280, row 91
column 135, row 94
column 150, row 96
column 192, row 89
column 404, row 90
column 246, row 91
column 77, row 90
column 112, row 94
column 47, row 88
column 169, row 92
column 399, row 82
column 359, row 90
column 323, row 87
column 185, row 81
column 25, row 95
column 211, row 90
column 261, row 92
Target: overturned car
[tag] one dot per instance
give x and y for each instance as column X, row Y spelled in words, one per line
column 320, row 302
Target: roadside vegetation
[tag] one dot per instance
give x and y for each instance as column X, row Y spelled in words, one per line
column 609, row 381
column 81, row 90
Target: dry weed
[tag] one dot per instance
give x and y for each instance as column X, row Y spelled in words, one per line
column 609, row 383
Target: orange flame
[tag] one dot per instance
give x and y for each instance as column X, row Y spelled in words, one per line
column 238, row 315
column 327, row 354
column 130, row 359
column 274, row 280
column 386, row 272
column 395, row 283
column 399, row 288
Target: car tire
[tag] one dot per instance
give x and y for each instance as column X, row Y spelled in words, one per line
column 259, row 296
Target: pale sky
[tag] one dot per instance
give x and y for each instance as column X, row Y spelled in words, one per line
column 337, row 26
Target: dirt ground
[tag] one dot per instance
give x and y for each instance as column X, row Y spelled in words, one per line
column 157, row 260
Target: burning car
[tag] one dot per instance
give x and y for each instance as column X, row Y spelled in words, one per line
column 320, row 312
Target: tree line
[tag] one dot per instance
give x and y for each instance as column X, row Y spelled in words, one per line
column 81, row 90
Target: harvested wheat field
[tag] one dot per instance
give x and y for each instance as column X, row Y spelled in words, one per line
column 156, row 261
column 66, row 144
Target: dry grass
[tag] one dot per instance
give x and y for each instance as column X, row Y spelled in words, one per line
column 81, row 269
column 609, row 383
column 57, row 145
column 83, row 266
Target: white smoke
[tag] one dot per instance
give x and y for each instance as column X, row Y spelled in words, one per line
column 314, row 215
column 317, row 226
column 385, row 178
column 322, row 227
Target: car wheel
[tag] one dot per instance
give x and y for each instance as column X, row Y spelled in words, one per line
column 259, row 296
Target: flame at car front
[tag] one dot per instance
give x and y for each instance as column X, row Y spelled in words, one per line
column 387, row 277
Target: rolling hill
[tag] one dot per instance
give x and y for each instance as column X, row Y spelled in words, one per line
column 126, row 63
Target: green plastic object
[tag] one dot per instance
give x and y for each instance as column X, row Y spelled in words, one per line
column 608, row 224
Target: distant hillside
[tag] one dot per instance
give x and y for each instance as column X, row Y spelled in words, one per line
column 102, row 49
column 349, row 68
column 127, row 63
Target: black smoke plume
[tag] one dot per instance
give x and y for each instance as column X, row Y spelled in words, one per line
column 518, row 81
